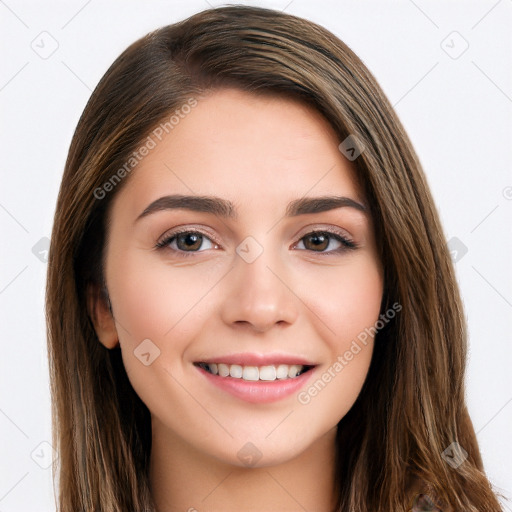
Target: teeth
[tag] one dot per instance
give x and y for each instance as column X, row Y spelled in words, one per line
column 282, row 371
column 254, row 373
column 250, row 373
column 235, row 370
column 294, row 370
column 268, row 373
column 223, row 369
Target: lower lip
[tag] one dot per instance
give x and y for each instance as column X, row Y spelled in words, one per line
column 258, row 392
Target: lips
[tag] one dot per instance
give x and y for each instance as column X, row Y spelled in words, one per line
column 255, row 359
column 253, row 366
column 254, row 373
column 257, row 378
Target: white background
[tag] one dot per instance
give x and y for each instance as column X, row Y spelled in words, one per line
column 457, row 110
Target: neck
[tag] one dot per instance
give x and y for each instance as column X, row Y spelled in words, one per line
column 186, row 480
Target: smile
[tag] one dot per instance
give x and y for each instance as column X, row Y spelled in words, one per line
column 253, row 378
column 266, row 373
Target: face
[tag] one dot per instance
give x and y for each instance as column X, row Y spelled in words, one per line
column 239, row 302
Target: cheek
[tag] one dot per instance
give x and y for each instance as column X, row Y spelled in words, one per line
column 154, row 301
column 158, row 311
column 347, row 301
column 348, row 308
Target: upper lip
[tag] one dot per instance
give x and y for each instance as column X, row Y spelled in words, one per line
column 254, row 359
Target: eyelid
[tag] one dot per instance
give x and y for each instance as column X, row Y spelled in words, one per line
column 319, row 228
column 164, row 239
column 186, row 228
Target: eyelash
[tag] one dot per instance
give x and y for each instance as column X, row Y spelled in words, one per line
column 346, row 243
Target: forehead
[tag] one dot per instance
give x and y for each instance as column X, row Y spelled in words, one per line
column 242, row 146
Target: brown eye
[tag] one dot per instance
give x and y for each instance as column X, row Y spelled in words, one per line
column 189, row 241
column 316, row 241
column 186, row 242
column 325, row 242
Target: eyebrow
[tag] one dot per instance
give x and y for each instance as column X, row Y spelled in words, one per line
column 226, row 209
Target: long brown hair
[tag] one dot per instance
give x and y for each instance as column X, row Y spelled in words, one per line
column 390, row 445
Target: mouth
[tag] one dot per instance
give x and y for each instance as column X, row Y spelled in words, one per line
column 266, row 373
column 257, row 378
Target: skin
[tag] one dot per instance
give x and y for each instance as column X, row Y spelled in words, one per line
column 260, row 153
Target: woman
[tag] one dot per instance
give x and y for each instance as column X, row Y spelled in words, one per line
column 250, row 302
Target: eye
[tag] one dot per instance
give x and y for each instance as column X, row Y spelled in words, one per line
column 186, row 241
column 325, row 242
column 189, row 241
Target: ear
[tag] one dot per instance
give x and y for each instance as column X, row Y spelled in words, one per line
column 98, row 307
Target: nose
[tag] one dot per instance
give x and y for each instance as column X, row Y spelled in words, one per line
column 258, row 295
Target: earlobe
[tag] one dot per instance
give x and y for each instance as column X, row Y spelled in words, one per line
column 101, row 316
